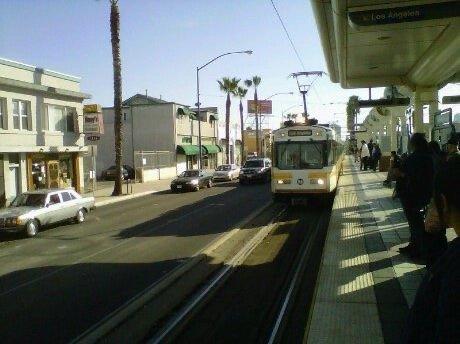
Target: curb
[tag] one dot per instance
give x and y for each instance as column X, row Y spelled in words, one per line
column 117, row 199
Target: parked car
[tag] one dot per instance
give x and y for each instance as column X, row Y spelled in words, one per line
column 191, row 180
column 256, row 170
column 110, row 173
column 226, row 172
column 34, row 209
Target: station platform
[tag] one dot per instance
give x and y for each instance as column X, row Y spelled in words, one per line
column 365, row 287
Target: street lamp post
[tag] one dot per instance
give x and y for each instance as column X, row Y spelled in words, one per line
column 249, row 52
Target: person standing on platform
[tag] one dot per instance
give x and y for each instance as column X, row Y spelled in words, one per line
column 376, row 155
column 435, row 240
column 395, row 162
column 370, row 146
column 415, row 194
column 435, row 314
column 452, row 147
column 364, row 156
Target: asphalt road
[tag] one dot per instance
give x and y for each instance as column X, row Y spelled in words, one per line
column 56, row 285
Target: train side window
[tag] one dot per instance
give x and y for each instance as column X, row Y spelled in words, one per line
column 330, row 154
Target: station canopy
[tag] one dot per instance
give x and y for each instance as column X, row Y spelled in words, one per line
column 376, row 43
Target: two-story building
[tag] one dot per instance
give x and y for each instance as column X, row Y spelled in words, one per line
column 40, row 122
column 155, row 127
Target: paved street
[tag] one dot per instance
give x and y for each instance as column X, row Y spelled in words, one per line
column 55, row 286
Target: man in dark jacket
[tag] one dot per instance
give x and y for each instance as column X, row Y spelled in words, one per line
column 435, row 315
column 417, row 173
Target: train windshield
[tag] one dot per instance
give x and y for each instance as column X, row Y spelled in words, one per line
column 299, row 155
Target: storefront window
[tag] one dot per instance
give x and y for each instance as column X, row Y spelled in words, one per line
column 65, row 172
column 39, row 174
column 52, row 171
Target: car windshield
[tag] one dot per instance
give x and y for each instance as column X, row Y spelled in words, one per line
column 190, row 174
column 254, row 163
column 29, row 200
column 299, row 155
column 224, row 168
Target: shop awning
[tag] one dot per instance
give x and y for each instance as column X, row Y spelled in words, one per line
column 188, row 149
column 210, row 149
column 183, row 111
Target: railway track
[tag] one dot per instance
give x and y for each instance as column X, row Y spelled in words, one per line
column 262, row 294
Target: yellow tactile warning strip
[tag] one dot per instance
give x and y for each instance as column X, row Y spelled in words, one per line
column 345, row 308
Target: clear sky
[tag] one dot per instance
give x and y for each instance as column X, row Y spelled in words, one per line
column 162, row 42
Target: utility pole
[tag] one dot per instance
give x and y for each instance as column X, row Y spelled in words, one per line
column 305, row 88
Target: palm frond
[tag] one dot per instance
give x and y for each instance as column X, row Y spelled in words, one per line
column 241, row 92
column 225, row 85
column 256, row 80
column 248, row 83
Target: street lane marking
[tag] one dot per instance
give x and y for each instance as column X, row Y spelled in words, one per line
column 25, row 284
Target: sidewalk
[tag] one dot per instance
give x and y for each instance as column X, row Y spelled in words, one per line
column 104, row 191
column 365, row 287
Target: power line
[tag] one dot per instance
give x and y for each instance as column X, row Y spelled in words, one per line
column 288, row 35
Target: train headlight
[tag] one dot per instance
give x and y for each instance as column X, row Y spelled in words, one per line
column 284, row 181
column 316, row 181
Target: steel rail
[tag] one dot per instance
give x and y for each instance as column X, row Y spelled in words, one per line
column 199, row 298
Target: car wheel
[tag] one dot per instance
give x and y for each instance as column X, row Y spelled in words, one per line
column 81, row 215
column 209, row 185
column 197, row 188
column 32, row 228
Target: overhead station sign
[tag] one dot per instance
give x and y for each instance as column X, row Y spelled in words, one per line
column 451, row 100
column 404, row 14
column 264, row 106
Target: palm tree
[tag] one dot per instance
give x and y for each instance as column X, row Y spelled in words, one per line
column 255, row 81
column 241, row 93
column 115, row 38
column 352, row 110
column 228, row 86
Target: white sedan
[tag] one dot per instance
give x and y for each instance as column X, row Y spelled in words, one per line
column 226, row 172
column 33, row 209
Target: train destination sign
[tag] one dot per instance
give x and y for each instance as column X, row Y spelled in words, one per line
column 306, row 132
column 395, row 15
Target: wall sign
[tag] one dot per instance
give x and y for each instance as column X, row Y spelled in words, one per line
column 404, row 14
column 93, row 123
column 264, row 106
column 93, row 138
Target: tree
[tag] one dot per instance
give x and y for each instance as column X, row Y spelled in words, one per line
column 255, row 82
column 241, row 93
column 352, row 110
column 229, row 87
column 116, row 59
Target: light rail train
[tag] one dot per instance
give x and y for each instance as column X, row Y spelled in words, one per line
column 307, row 160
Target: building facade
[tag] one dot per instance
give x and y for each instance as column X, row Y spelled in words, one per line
column 235, row 144
column 153, row 126
column 250, row 146
column 41, row 144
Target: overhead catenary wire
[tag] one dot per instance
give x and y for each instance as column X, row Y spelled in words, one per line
column 288, row 35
